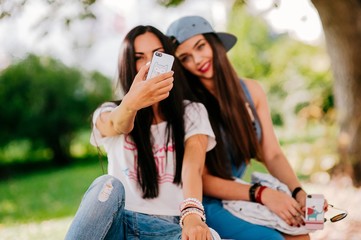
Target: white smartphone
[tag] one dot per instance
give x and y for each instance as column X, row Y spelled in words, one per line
column 314, row 211
column 161, row 63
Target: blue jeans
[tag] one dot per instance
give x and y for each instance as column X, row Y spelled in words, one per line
column 101, row 215
column 229, row 226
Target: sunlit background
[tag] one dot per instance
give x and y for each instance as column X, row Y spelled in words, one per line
column 84, row 43
column 280, row 43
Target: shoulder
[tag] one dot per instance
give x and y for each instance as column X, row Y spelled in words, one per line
column 195, row 112
column 193, row 106
column 256, row 90
column 104, row 107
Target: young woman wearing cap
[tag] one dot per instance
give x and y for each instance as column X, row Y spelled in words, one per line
column 156, row 143
column 241, row 121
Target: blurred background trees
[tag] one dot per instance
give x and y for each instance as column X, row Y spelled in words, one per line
column 341, row 24
column 302, row 91
column 45, row 104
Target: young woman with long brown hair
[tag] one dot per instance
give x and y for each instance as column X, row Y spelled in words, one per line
column 240, row 118
column 156, row 141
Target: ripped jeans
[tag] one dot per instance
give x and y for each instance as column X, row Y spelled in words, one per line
column 101, row 215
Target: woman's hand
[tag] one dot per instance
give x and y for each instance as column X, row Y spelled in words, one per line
column 144, row 93
column 301, row 198
column 195, row 229
column 284, row 206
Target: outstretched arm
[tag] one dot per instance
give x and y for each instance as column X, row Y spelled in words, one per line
column 141, row 94
column 193, row 163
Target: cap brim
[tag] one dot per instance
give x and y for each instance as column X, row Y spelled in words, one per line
column 228, row 40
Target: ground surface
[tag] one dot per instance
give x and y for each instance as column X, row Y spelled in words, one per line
column 339, row 192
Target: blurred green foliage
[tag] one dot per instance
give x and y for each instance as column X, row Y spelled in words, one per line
column 296, row 76
column 45, row 104
column 41, row 96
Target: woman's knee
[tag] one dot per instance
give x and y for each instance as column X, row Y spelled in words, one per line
column 101, row 207
column 106, row 188
column 109, row 186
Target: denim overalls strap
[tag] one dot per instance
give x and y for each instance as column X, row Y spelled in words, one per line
column 225, row 223
column 239, row 171
column 256, row 123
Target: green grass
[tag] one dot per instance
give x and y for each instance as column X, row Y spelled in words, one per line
column 47, row 194
column 34, row 191
column 255, row 166
column 53, row 193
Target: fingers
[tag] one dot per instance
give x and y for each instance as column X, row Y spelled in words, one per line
column 184, row 236
column 142, row 74
column 297, row 219
column 292, row 214
column 292, row 219
column 161, row 77
column 197, row 232
column 209, row 235
column 148, row 92
column 295, row 214
column 325, row 206
column 161, row 86
column 165, row 85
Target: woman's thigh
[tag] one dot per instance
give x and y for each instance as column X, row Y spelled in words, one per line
column 231, row 227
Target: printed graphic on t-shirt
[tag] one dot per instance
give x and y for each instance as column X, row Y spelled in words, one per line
column 164, row 167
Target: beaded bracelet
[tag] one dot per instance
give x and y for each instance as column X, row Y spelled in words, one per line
column 191, row 211
column 259, row 194
column 191, row 202
column 190, row 207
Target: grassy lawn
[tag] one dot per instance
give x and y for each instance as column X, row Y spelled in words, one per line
column 48, row 194
column 41, row 204
column 53, row 193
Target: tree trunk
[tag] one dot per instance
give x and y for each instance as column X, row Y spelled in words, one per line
column 341, row 20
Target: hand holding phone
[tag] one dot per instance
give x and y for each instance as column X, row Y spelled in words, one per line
column 161, row 63
column 314, row 211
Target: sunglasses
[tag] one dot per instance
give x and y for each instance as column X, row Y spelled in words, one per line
column 339, row 216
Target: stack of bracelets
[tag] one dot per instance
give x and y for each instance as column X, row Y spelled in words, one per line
column 253, row 197
column 191, row 206
column 252, row 193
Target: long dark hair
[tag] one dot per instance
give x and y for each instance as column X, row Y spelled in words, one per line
column 172, row 108
column 228, row 114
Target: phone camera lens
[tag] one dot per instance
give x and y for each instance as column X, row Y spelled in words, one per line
column 158, row 54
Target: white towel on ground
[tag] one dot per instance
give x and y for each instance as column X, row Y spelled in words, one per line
column 259, row 214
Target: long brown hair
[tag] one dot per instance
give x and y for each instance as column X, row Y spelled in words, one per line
column 228, row 114
column 172, row 108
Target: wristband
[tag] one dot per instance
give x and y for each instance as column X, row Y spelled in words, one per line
column 295, row 191
column 259, row 194
column 252, row 191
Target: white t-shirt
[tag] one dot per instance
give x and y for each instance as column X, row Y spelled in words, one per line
column 122, row 156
